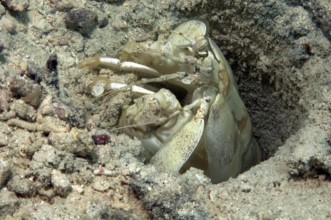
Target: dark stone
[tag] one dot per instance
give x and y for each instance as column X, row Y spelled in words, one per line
column 82, row 20
column 2, row 47
column 51, row 63
column 103, row 23
column 101, row 139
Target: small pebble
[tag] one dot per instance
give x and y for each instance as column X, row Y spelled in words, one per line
column 21, row 186
column 16, row 5
column 2, row 11
column 8, row 25
column 76, row 141
column 77, row 118
column 24, row 111
column 61, row 112
column 46, row 106
column 2, row 47
column 52, row 124
column 46, row 193
column 100, row 184
column 3, row 142
column 78, row 188
column 34, row 97
column 101, row 139
column 103, row 23
column 82, row 20
column 9, row 203
column 245, row 188
column 4, row 100
column 5, row 172
column 20, row 87
column 61, row 184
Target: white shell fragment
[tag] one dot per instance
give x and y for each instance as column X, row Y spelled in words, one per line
column 98, row 88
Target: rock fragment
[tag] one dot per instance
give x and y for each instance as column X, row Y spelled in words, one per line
column 83, row 21
column 24, row 111
column 49, row 157
column 5, row 172
column 76, row 141
column 61, row 184
column 16, row 5
column 101, row 139
column 9, row 203
column 21, row 186
column 2, row 10
column 2, row 47
column 4, row 100
column 101, row 184
column 9, row 25
column 5, row 131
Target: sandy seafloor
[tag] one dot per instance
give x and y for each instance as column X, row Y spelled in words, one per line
column 279, row 51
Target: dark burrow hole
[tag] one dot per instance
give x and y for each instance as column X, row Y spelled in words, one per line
column 270, row 90
column 274, row 119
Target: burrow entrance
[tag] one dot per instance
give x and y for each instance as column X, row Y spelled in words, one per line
column 266, row 61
